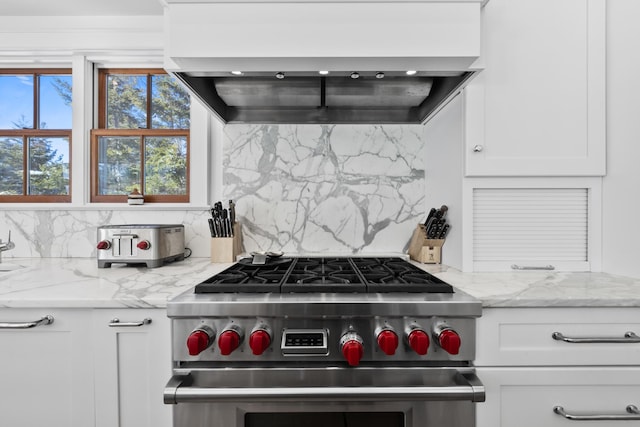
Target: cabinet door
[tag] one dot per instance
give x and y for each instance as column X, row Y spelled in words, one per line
column 526, row 397
column 133, row 363
column 45, row 369
column 538, row 108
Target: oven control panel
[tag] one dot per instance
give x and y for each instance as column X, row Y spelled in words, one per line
column 352, row 341
column 304, row 341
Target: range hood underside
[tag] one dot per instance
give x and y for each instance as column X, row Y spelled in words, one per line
column 307, row 99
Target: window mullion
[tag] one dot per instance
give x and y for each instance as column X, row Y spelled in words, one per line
column 142, row 156
column 36, row 104
column 25, row 165
column 149, row 101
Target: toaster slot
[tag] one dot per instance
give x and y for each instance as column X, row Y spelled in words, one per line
column 123, row 244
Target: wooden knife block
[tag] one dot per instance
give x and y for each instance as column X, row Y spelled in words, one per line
column 424, row 250
column 226, row 249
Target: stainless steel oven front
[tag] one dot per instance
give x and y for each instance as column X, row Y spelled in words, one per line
column 324, row 358
column 327, row 396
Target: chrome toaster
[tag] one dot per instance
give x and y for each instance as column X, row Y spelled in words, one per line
column 150, row 244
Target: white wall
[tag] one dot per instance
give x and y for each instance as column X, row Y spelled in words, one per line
column 621, row 185
column 444, row 174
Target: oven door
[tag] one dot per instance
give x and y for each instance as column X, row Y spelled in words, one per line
column 337, row 397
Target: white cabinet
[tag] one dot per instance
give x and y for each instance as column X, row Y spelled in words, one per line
column 526, row 397
column 46, row 376
column 84, row 369
column 538, row 108
column 133, row 362
column 527, row 373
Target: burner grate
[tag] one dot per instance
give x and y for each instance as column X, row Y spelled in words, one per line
column 318, row 275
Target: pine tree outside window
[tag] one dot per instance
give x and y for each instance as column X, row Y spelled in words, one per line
column 142, row 139
column 35, row 135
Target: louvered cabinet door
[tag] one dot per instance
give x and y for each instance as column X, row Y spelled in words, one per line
column 531, row 229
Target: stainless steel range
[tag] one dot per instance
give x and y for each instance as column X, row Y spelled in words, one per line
column 324, row 342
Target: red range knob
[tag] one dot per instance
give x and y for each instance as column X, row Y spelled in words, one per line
column 197, row 342
column 259, row 341
column 104, row 245
column 228, row 341
column 352, row 351
column 419, row 341
column 388, row 342
column 144, row 245
column 449, row 340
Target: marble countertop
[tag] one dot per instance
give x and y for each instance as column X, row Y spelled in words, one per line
column 79, row 283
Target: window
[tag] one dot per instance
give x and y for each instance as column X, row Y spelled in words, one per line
column 142, row 140
column 35, row 135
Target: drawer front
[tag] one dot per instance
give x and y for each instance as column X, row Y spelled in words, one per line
column 525, row 337
column 526, row 397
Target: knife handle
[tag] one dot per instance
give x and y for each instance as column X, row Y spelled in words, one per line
column 443, row 232
column 232, row 212
column 218, row 227
column 212, row 229
column 429, row 216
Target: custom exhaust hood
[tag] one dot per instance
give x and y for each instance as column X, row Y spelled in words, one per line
column 297, row 62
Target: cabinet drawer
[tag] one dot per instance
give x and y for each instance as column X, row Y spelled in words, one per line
column 521, row 336
column 526, row 397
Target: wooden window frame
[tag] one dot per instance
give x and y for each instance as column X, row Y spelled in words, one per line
column 102, row 130
column 34, row 132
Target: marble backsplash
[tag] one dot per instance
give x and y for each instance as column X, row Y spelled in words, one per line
column 325, row 188
column 297, row 188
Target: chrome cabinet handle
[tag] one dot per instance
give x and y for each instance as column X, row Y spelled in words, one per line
column 633, row 414
column 532, row 267
column 45, row 320
column 115, row 323
column 629, row 337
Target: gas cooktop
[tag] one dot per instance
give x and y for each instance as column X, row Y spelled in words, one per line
column 324, row 274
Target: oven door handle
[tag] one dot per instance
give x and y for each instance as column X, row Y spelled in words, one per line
column 468, row 387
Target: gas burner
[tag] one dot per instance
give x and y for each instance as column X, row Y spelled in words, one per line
column 343, row 279
column 235, row 277
column 268, row 277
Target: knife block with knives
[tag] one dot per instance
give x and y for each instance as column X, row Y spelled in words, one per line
column 423, row 249
column 226, row 233
column 428, row 238
column 226, row 249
